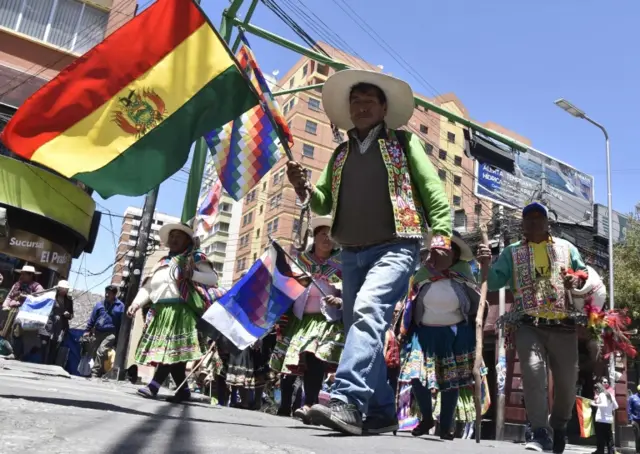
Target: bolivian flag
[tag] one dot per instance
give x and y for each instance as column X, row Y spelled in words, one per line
column 122, row 118
column 585, row 417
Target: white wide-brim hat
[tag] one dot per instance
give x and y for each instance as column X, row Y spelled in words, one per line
column 63, row 284
column 28, row 269
column 166, row 229
column 466, row 253
column 336, row 91
column 317, row 221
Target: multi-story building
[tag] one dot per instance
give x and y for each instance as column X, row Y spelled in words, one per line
column 129, row 237
column 272, row 207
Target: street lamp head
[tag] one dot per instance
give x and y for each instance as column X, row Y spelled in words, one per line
column 570, row 108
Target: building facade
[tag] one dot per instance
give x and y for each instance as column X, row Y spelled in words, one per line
column 272, row 208
column 128, row 239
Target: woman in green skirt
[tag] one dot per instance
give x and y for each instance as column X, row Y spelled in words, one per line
column 177, row 289
column 311, row 342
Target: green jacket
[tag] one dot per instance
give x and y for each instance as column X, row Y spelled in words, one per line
column 412, row 178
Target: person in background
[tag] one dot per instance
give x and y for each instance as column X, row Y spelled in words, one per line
column 605, row 405
column 178, row 290
column 52, row 334
column 540, row 269
column 312, row 341
column 392, row 349
column 105, row 324
column 403, row 196
column 633, row 412
column 25, row 286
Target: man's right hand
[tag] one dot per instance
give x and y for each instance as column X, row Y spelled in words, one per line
column 297, row 177
column 484, row 254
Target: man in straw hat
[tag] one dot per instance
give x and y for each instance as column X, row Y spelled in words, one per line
column 25, row 286
column 539, row 270
column 382, row 192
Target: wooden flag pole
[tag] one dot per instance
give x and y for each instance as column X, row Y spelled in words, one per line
column 477, row 366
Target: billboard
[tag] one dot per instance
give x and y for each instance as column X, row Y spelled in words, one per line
column 569, row 191
column 601, row 224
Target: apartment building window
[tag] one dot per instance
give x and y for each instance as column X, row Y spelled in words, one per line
column 292, row 81
column 275, row 201
column 307, row 150
column 272, row 227
column 218, row 267
column 221, row 227
column 424, row 129
column 278, row 177
column 292, row 103
column 442, row 154
column 457, row 200
column 258, row 233
column 314, row 104
column 459, row 219
column 219, row 247
column 247, row 218
column 261, row 209
column 305, row 69
column 477, row 208
column 457, row 180
column 457, row 160
column 428, row 148
column 241, row 264
column 442, row 174
column 255, row 256
column 451, row 137
column 264, row 185
column 244, row 240
column 286, row 109
column 224, row 207
column 69, row 24
column 311, row 127
column 251, row 196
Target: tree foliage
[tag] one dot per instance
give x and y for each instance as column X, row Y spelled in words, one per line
column 626, row 263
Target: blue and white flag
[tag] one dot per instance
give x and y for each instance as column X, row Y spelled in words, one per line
column 35, row 311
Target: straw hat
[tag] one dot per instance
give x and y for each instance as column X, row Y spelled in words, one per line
column 63, row 285
column 166, row 229
column 317, row 221
column 466, row 253
column 28, row 269
column 336, row 91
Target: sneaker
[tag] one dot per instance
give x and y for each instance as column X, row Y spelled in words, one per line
column 541, row 441
column 147, row 392
column 559, row 441
column 337, row 415
column 376, row 425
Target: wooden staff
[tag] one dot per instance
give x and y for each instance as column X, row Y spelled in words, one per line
column 477, row 366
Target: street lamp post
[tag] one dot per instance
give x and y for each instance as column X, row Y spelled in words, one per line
column 573, row 110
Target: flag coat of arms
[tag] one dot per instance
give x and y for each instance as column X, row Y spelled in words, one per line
column 122, row 117
column 35, row 311
column 251, row 308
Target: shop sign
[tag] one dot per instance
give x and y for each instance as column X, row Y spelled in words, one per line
column 37, row 251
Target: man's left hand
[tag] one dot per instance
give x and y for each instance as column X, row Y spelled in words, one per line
column 570, row 281
column 333, row 301
column 440, row 259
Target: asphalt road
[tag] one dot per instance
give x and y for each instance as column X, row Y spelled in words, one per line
column 44, row 413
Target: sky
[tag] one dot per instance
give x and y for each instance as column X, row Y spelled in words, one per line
column 506, row 61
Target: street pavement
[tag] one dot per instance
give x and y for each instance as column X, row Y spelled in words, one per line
column 45, row 411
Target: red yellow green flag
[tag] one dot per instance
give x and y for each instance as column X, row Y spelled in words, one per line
column 585, row 417
column 122, row 117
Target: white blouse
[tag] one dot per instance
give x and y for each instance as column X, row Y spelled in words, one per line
column 160, row 286
column 440, row 304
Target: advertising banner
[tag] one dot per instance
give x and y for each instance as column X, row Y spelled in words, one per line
column 36, row 250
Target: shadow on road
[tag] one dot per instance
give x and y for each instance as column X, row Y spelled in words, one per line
column 93, row 405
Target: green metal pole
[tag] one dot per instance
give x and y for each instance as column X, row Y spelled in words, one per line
column 298, row 89
column 226, row 27
column 262, row 33
column 247, row 18
column 196, row 173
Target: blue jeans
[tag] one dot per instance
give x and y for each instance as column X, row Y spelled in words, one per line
column 374, row 279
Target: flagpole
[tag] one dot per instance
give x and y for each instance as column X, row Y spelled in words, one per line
column 313, row 281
